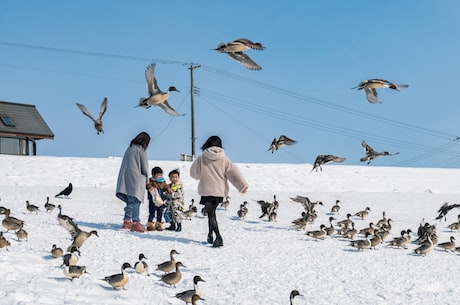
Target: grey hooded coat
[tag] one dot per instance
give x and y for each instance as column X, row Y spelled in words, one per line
column 133, row 175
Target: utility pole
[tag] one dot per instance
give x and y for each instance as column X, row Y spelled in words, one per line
column 192, row 103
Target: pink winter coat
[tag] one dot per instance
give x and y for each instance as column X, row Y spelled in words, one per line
column 214, row 169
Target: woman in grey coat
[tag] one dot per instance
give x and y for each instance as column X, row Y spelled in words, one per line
column 214, row 169
column 132, row 178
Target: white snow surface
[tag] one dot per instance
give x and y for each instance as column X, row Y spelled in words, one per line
column 260, row 262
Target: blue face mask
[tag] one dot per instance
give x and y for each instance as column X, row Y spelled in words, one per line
column 161, row 179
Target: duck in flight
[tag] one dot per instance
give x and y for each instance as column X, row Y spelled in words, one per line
column 370, row 87
column 236, row 48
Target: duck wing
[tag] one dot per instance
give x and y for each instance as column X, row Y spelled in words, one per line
column 102, row 110
column 371, row 95
column 86, row 112
column 244, row 60
column 168, row 109
column 367, row 149
column 284, row 140
column 152, row 86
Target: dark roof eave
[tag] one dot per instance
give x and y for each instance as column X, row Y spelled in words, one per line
column 27, row 135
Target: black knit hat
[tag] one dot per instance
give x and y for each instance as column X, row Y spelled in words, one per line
column 156, row 170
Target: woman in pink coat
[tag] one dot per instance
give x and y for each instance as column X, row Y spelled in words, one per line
column 214, row 169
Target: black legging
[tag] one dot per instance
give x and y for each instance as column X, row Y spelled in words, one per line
column 211, row 203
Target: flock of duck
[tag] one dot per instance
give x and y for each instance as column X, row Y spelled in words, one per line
column 376, row 233
column 235, row 49
column 70, row 257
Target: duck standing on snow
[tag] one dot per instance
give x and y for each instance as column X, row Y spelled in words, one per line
column 236, row 48
column 98, row 120
column 168, row 266
column 174, row 277
column 118, row 280
column 187, row 295
column 31, row 208
column 141, row 266
column 49, row 207
column 74, row 271
column 156, row 96
column 56, row 251
column 370, row 85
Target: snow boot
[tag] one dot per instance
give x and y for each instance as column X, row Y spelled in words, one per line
column 172, row 226
column 158, row 226
column 150, row 226
column 218, row 242
column 137, row 227
column 179, row 227
column 127, row 224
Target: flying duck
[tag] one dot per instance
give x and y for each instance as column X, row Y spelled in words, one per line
column 168, row 266
column 174, row 277
column 371, row 154
column 118, row 280
column 236, row 48
column 455, row 226
column 323, row 159
column 156, row 96
column 187, row 295
column 370, row 85
column 445, row 208
column 281, row 142
column 141, row 266
column 98, row 120
column 81, row 237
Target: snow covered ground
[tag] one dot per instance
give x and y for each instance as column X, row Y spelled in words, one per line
column 261, row 261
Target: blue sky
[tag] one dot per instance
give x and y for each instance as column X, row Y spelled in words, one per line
column 54, row 54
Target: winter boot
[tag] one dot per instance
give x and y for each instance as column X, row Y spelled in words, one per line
column 210, row 238
column 150, row 226
column 127, row 224
column 137, row 227
column 218, row 242
column 179, row 227
column 158, row 226
column 172, row 226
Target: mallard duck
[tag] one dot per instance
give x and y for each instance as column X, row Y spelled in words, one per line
column 98, row 120
column 156, row 96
